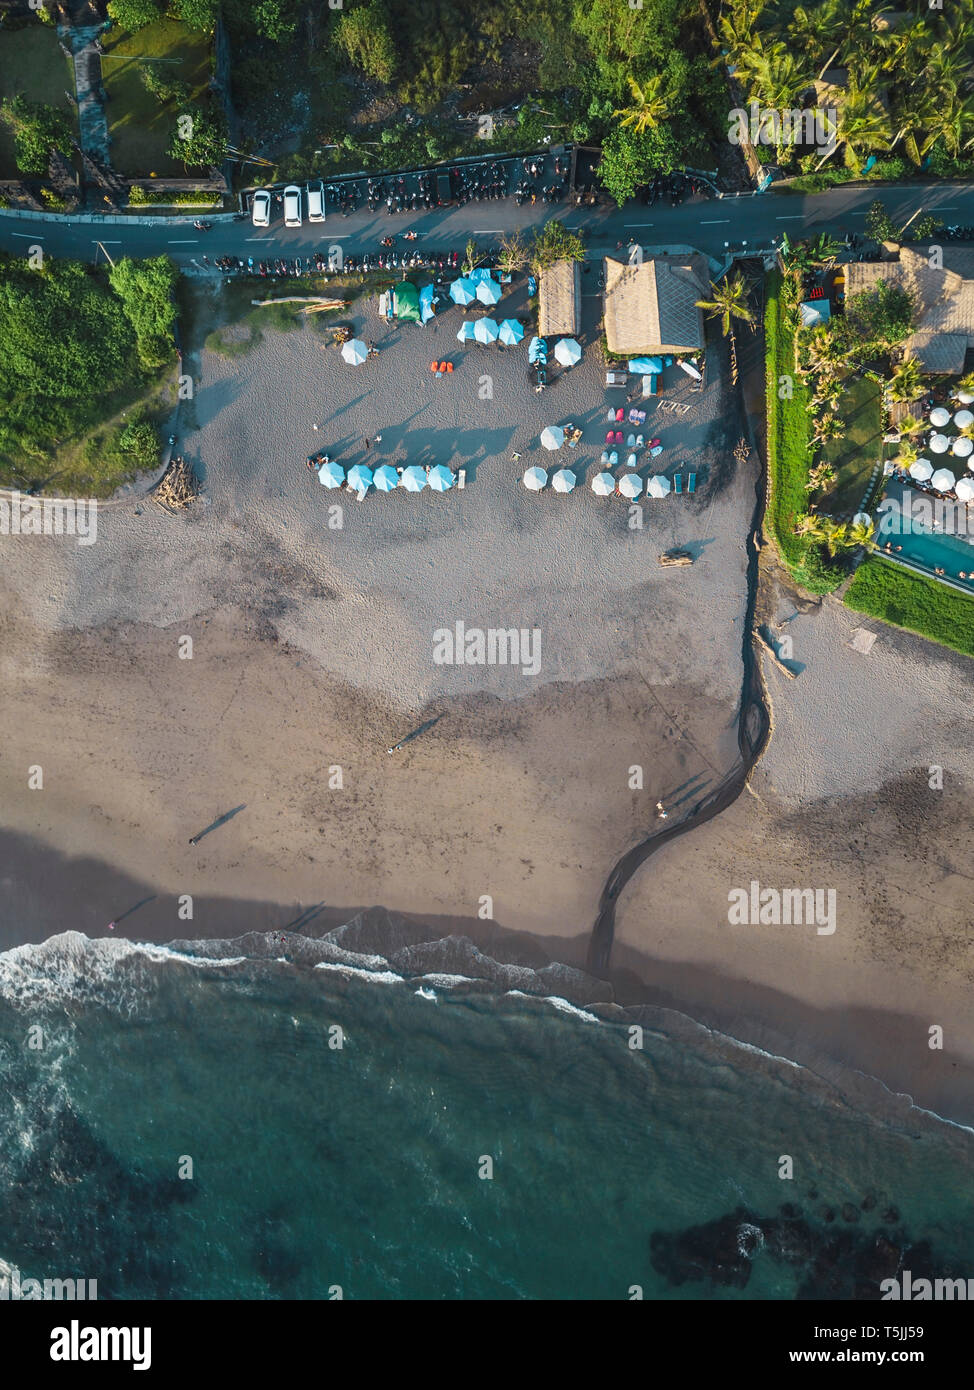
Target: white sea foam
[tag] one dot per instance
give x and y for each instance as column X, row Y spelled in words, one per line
column 350, row 972
column 428, row 994
column 556, row 1002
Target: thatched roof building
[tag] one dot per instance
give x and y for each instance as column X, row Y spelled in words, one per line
column 559, row 297
column 943, row 302
column 652, row 307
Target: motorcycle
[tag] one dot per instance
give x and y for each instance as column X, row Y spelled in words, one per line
column 203, row 226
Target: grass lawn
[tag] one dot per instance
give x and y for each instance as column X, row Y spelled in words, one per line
column 32, row 63
column 914, row 602
column 788, row 438
column 140, row 127
column 854, row 453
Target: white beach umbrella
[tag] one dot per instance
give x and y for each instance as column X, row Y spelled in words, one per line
column 939, row 416
column 658, row 486
column 385, row 479
column 553, row 437
column 486, row 330
column 861, row 519
column 413, row 478
column 441, row 479
column 331, row 474
column 568, row 351
column 359, row 478
column 964, row 397
column 563, row 480
column 535, row 479
column 355, row 352
column 963, row 418
column 962, row 447
column 921, row 470
column 603, row 485
column 939, row 443
column 943, row 480
column 965, row 489
column 630, row 485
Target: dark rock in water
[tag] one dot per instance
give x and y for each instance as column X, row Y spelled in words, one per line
column 891, row 1215
column 827, row 1213
column 790, row 1211
column 850, row 1212
column 868, row 1202
column 813, row 1194
column 789, row 1239
column 878, row 1261
column 717, row 1252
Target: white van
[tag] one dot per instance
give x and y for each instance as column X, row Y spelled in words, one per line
column 316, row 202
column 292, row 206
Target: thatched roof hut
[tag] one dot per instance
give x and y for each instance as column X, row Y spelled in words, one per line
column 652, row 307
column 559, row 295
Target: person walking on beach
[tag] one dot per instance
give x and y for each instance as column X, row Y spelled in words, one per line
column 660, row 812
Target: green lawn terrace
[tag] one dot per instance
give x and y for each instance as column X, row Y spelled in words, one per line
column 140, row 126
column 33, row 65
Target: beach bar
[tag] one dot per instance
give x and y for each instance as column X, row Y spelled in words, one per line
column 559, row 296
column 652, row 307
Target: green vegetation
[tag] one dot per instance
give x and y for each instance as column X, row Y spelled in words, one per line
column 38, row 130
column 789, row 438
column 148, row 197
column 31, row 64
column 75, row 353
column 907, row 76
column 912, row 601
column 141, row 119
column 199, row 137
column 554, row 242
column 852, row 454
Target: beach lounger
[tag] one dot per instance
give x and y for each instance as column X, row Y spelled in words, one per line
column 631, row 441
column 461, row 477
column 604, row 459
column 610, row 417
column 613, row 459
column 677, row 482
column 620, row 414
column 639, row 441
column 449, row 368
column 692, row 483
column 609, row 437
column 631, row 461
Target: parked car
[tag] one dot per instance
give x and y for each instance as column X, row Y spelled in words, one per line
column 316, row 202
column 261, row 209
column 292, row 206
column 444, row 193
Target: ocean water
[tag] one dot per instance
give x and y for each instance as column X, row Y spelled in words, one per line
column 359, row 1168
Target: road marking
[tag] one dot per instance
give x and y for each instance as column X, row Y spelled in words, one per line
column 27, row 237
column 260, row 238
column 639, row 224
column 800, row 217
column 100, row 241
column 183, row 243
column 715, row 222
column 938, row 209
column 488, row 231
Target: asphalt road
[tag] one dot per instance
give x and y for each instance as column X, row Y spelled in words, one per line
column 709, row 224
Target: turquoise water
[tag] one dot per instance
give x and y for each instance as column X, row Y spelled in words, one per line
column 315, row 1167
column 933, row 550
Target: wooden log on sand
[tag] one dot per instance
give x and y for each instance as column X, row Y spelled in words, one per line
column 315, row 299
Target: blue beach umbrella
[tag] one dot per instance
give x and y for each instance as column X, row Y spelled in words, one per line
column 466, row 331
column 414, row 478
column 385, row 479
column 440, row 478
column 485, row 331
column 488, row 291
column 511, row 332
column 463, row 291
column 359, row 478
column 331, row 474
column 537, row 350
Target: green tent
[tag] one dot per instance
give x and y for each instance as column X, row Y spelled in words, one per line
column 407, row 302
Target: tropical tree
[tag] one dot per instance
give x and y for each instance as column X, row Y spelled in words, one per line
column 966, row 384
column 835, row 535
column 908, row 455
column 862, row 535
column 648, row 108
column 862, row 127
column 906, row 383
column 808, row 526
column 909, row 426
column 821, row 477
column 512, row 255
column 826, row 427
column 729, row 302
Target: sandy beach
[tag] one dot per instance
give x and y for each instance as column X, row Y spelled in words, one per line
column 312, row 653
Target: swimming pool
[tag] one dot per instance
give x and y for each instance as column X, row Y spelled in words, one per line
column 932, row 550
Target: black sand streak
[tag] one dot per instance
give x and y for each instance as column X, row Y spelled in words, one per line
column 753, row 730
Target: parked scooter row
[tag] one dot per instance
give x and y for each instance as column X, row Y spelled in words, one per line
column 956, row 232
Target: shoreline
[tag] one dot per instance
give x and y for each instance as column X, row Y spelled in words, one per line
column 869, row 1059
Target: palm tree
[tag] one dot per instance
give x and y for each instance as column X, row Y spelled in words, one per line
column 862, row 127
column 809, row 525
column 906, row 383
column 966, row 384
column 951, row 120
column 729, row 303
column 648, row 109
column 835, row 534
column 821, row 477
column 908, row 455
column 909, row 426
column 862, row 534
column 826, row 427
